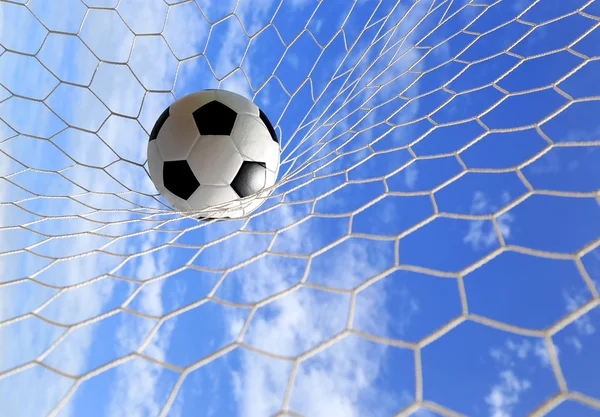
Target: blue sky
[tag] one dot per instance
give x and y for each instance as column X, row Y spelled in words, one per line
column 432, row 247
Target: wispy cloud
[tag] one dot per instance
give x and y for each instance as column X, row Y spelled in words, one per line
column 521, row 350
column 232, row 45
column 340, row 378
column 583, row 325
column 343, row 382
column 375, row 73
column 258, row 385
column 134, row 393
column 477, row 236
column 19, row 397
column 298, row 322
column 506, row 394
column 411, row 175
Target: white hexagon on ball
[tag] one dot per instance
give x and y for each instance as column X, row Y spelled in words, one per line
column 177, row 137
column 215, row 153
column 233, row 101
column 215, row 160
column 188, row 104
column 253, row 140
column 211, row 195
column 155, row 165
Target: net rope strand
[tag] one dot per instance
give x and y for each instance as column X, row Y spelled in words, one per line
column 303, row 159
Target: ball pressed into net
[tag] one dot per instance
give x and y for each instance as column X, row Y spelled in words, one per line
column 214, row 152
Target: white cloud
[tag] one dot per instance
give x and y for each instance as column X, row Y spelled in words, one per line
column 549, row 163
column 253, row 13
column 89, row 303
column 28, row 380
column 232, row 48
column 521, row 350
column 291, row 240
column 296, row 325
column 411, row 175
column 576, row 343
column 298, row 322
column 342, row 382
column 134, row 392
column 343, row 375
column 19, row 396
column 136, row 383
column 294, row 60
column 318, row 25
column 504, row 223
column 390, row 67
column 378, row 69
column 237, row 83
column 505, row 395
column 576, row 134
column 583, row 325
column 150, row 301
column 572, row 302
column 538, row 349
column 259, row 385
column 350, row 268
column 479, row 238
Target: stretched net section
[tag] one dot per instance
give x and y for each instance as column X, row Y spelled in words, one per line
column 430, row 249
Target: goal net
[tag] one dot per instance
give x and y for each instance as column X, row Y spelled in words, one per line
column 431, row 246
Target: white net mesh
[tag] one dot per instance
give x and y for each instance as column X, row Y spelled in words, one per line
column 431, row 247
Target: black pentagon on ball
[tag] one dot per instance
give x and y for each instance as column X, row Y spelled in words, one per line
column 214, row 118
column 214, row 219
column 250, row 179
column 267, row 123
column 159, row 124
column 179, row 179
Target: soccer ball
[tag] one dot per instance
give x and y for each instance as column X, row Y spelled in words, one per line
column 213, row 152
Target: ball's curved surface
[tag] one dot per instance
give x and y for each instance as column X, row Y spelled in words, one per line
column 215, row 152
